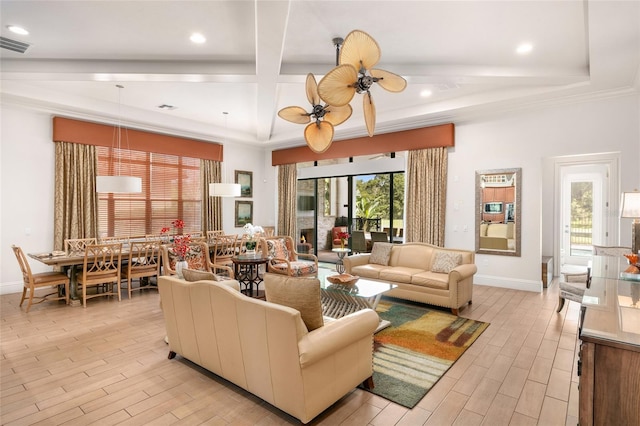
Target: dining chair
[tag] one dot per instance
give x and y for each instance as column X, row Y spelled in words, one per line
column 358, row 242
column 78, row 245
column 143, row 264
column 212, row 235
column 32, row 281
column 101, row 269
column 197, row 258
column 285, row 260
column 224, row 248
column 111, row 240
column 269, row 231
column 611, row 250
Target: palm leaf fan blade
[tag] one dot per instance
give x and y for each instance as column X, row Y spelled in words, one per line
column 319, row 136
column 359, row 46
column 338, row 115
column 294, row 114
column 389, row 81
column 338, row 86
column 312, row 90
column 369, row 109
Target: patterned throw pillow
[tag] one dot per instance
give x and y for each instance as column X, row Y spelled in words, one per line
column 278, row 249
column 445, row 261
column 301, row 294
column 194, row 275
column 380, row 253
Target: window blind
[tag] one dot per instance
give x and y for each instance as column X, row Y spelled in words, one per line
column 171, row 189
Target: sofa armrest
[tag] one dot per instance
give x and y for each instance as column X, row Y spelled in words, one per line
column 461, row 272
column 335, row 335
column 355, row 260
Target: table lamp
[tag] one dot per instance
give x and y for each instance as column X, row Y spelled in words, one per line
column 630, row 208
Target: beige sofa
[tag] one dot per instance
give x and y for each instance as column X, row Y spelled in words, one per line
column 265, row 348
column 411, row 266
column 497, row 236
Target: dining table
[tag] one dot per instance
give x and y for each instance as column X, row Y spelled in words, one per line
column 69, row 263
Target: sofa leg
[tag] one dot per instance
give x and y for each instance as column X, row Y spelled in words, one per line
column 172, row 355
column 368, row 383
column 560, row 303
column 454, row 311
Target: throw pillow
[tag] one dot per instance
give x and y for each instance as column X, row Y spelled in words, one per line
column 195, row 275
column 277, row 248
column 380, row 253
column 301, row 294
column 444, row 261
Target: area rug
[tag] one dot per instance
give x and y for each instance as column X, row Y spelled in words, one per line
column 421, row 344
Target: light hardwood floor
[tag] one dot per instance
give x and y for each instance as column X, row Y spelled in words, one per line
column 107, row 364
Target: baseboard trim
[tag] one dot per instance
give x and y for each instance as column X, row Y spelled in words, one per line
column 511, row 283
column 11, row 287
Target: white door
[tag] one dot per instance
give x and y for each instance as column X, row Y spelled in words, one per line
column 584, row 205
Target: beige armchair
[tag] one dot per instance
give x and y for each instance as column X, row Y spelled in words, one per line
column 284, row 259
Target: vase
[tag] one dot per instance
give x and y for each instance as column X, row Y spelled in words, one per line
column 180, row 265
column 342, row 244
column 251, row 246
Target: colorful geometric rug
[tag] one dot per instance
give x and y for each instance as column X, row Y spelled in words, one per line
column 417, row 349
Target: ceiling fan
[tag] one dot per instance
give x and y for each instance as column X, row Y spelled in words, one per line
column 354, row 74
column 321, row 119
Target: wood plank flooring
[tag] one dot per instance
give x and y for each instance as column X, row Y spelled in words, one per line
column 107, row 364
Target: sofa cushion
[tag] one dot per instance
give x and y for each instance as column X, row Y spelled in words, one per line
column 302, row 294
column 368, row 270
column 431, row 279
column 398, row 274
column 445, row 261
column 380, row 253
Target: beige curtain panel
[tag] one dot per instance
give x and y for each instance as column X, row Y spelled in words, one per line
column 287, row 189
column 210, row 172
column 76, row 201
column 426, row 195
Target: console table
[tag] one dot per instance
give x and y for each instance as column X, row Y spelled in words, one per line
column 609, row 359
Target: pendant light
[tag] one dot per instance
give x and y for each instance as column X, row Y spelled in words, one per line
column 221, row 189
column 118, row 183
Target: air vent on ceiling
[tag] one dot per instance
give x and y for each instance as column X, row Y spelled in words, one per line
column 16, row 46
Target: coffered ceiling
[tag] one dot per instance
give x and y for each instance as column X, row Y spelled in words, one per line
column 257, row 54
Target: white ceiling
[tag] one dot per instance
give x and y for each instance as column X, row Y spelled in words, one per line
column 258, row 53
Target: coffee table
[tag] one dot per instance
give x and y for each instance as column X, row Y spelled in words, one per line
column 339, row 300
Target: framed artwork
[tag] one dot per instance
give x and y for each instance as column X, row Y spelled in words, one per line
column 245, row 179
column 244, row 213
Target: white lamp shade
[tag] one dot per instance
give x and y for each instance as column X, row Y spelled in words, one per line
column 224, row 189
column 630, row 205
column 118, row 184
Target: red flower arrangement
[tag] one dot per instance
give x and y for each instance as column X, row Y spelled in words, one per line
column 343, row 235
column 178, row 223
column 165, row 230
column 181, row 244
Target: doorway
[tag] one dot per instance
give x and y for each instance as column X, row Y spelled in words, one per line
column 585, row 208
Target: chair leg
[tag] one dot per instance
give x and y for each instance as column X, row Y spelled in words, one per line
column 67, row 296
column 24, row 292
column 560, row 303
column 129, row 286
column 31, row 291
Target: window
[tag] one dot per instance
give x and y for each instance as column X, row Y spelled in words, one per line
column 171, row 189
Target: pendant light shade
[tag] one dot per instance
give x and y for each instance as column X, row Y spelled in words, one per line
column 224, row 189
column 117, row 183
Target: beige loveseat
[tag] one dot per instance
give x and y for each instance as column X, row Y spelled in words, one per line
column 265, row 348
column 413, row 266
column 497, row 236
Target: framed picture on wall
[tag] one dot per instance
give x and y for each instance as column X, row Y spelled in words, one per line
column 245, row 179
column 244, row 213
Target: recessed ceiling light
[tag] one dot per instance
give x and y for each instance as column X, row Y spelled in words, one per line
column 18, row 30
column 426, row 93
column 197, row 38
column 524, row 48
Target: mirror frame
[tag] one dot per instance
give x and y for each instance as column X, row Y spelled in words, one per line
column 517, row 206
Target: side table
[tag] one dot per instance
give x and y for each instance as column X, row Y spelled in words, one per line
column 341, row 252
column 246, row 268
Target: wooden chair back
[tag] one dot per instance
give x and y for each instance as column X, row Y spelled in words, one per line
column 224, row 248
column 101, row 265
column 78, row 245
column 213, row 235
column 143, row 262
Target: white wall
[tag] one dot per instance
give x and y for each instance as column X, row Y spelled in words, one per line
column 528, row 140
column 523, row 139
column 27, row 156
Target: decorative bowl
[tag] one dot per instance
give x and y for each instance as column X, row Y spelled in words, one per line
column 344, row 279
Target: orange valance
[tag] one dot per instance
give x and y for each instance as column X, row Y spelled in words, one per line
column 425, row 137
column 89, row 133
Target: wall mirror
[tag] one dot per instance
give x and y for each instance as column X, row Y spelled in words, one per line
column 498, row 207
